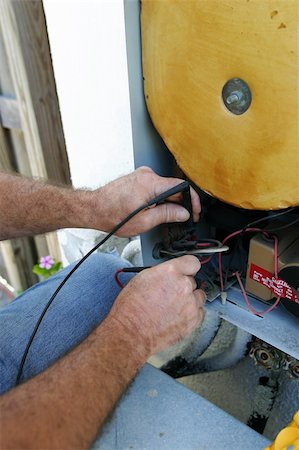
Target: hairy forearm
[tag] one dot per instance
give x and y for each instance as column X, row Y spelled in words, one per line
column 65, row 406
column 30, row 207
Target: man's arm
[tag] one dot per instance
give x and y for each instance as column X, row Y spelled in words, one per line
column 65, row 406
column 31, row 207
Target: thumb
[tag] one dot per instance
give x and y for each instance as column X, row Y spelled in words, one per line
column 168, row 212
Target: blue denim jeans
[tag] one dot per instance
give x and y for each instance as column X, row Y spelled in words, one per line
column 79, row 307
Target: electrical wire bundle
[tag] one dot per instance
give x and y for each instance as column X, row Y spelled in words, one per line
column 196, row 248
column 270, row 234
column 212, row 247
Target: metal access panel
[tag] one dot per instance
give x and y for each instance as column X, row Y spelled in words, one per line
column 277, row 328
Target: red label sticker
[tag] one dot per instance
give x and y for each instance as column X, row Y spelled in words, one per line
column 279, row 287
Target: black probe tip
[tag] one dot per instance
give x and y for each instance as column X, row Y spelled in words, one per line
column 175, row 190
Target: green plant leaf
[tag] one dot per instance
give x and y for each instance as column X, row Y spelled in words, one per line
column 46, row 273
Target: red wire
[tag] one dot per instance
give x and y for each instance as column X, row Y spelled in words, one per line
column 119, row 283
column 227, row 238
column 205, row 261
column 251, row 309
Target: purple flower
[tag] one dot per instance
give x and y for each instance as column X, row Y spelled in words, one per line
column 46, row 262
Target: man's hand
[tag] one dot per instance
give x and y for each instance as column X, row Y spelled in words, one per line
column 33, row 207
column 113, row 202
column 161, row 304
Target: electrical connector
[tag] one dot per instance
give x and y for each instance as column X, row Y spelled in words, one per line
column 223, row 297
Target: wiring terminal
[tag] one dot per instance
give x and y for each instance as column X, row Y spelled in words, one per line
column 223, row 297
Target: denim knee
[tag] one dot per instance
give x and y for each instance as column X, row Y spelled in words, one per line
column 83, row 302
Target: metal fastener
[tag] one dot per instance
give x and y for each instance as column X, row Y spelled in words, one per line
column 236, row 96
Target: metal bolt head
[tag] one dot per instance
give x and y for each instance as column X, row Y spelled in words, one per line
column 236, row 96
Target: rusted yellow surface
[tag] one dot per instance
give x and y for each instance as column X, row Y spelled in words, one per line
column 190, row 50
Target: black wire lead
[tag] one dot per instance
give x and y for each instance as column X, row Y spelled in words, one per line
column 269, row 217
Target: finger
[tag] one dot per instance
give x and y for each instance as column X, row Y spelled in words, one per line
column 167, row 183
column 197, row 318
column 201, row 316
column 186, row 265
column 200, row 297
column 193, row 283
column 162, row 184
column 144, row 169
column 196, row 206
column 166, row 213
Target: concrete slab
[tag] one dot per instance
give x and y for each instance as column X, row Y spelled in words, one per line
column 158, row 413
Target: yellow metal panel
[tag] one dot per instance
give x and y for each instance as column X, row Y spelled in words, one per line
column 190, row 50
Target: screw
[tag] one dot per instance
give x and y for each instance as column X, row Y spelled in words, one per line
column 234, row 97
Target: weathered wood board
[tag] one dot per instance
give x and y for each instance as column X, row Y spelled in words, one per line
column 27, row 54
column 9, row 113
column 190, row 49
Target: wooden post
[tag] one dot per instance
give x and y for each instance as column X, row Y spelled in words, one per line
column 17, row 253
column 7, row 247
column 26, row 42
column 4, row 154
